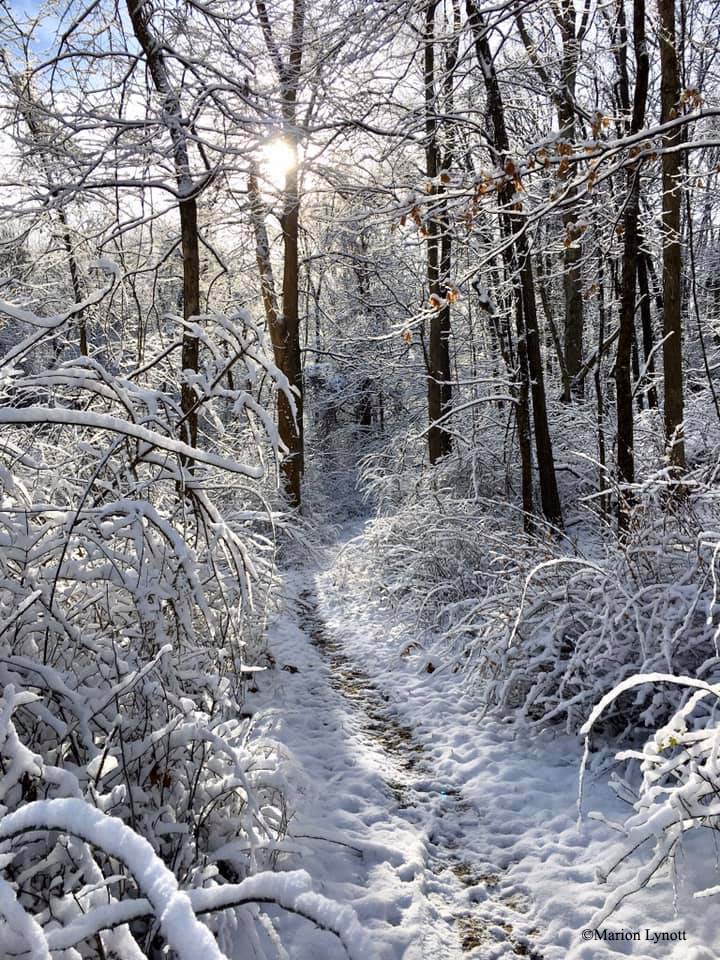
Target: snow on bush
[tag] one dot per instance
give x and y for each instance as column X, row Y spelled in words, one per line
column 134, row 794
column 584, row 625
column 679, row 787
column 546, row 624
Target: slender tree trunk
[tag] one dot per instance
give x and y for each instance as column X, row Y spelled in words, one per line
column 140, row 18
column 513, row 228
column 190, row 355
column 365, row 405
column 262, row 257
column 602, row 455
column 438, row 260
column 287, row 429
column 291, row 426
column 288, row 353
column 631, row 245
column 523, row 416
column 75, row 281
column 672, row 254
column 572, row 253
column 637, row 385
column 554, row 335
column 549, row 495
column 647, row 331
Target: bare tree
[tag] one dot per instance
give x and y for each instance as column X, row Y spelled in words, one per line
column 513, row 228
column 285, row 332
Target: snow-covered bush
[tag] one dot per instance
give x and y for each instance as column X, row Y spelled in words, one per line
column 585, row 624
column 545, row 624
column 677, row 796
column 133, row 570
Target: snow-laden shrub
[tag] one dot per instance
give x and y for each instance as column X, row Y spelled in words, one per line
column 585, row 623
column 75, row 876
column 678, row 796
column 134, row 792
column 545, row 624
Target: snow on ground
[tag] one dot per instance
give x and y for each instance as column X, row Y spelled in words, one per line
column 449, row 833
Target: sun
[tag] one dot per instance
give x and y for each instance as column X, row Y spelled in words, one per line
column 279, row 158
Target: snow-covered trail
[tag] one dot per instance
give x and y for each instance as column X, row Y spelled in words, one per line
column 376, row 826
column 449, row 834
column 449, row 885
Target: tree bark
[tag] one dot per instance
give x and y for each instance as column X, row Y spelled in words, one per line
column 277, row 328
column 438, row 261
column 623, row 362
column 288, row 353
column 139, row 17
column 672, row 255
column 513, row 228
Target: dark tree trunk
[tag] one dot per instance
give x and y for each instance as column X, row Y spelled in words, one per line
column 288, row 353
column 290, row 425
column 513, row 227
column 153, row 50
column 191, row 308
column 277, row 328
column 600, row 403
column 523, row 417
column 438, row 262
column 672, row 255
column 623, row 362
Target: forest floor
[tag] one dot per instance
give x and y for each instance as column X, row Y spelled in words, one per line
column 451, row 834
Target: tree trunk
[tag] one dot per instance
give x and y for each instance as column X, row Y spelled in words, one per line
column 277, row 328
column 600, row 403
column 572, row 254
column 648, row 384
column 672, row 255
column 438, row 257
column 290, row 425
column 288, row 353
column 513, row 228
column 623, row 362
column 153, row 50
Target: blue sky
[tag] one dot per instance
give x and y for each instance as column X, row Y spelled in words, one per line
column 44, row 32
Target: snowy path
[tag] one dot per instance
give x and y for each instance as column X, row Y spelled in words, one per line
column 448, row 834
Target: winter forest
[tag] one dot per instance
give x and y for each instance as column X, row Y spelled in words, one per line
column 359, row 479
